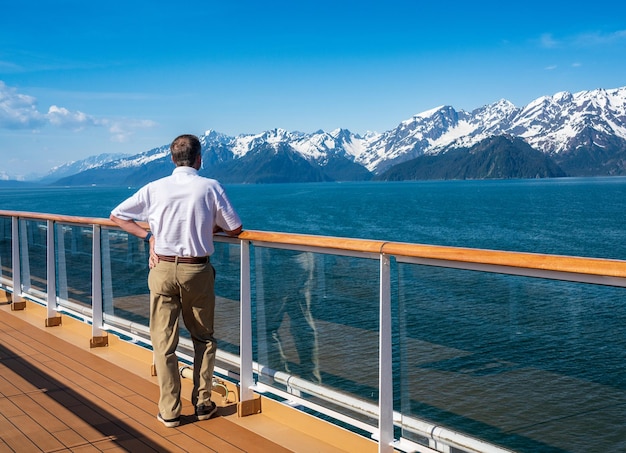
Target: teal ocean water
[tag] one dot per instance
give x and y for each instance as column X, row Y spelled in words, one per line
column 573, row 216
column 545, row 359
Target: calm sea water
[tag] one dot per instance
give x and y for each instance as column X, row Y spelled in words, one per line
column 533, row 365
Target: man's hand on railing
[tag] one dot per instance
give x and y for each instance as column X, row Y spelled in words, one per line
column 235, row 232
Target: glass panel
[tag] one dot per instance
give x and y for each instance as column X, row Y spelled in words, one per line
column 73, row 258
column 529, row 364
column 317, row 319
column 125, row 277
column 226, row 261
column 6, row 270
column 33, row 251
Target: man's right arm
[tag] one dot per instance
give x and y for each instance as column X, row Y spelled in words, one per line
column 130, row 226
column 235, row 232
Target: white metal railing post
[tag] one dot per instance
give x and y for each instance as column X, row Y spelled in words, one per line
column 99, row 337
column 385, row 361
column 15, row 258
column 51, row 276
column 245, row 340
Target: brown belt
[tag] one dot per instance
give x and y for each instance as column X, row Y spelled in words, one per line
column 184, row 259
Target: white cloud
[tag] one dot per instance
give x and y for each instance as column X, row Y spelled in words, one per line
column 122, row 130
column 62, row 117
column 19, row 111
column 599, row 38
column 548, row 41
column 593, row 39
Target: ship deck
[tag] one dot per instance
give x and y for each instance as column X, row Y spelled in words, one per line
column 58, row 395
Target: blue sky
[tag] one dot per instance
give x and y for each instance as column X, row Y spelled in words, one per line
column 82, row 78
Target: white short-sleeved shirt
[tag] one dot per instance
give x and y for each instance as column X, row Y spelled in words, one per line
column 181, row 210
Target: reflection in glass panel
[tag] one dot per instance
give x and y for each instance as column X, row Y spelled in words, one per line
column 6, row 271
column 513, row 359
column 73, row 258
column 317, row 319
column 33, row 256
column 125, row 276
column 226, row 262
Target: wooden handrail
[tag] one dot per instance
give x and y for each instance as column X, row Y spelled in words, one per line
column 330, row 242
column 63, row 218
column 555, row 263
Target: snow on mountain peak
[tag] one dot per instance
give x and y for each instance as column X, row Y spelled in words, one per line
column 429, row 113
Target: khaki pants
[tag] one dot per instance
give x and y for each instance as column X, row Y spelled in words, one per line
column 188, row 289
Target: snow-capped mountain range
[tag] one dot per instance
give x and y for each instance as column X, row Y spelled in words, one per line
column 584, row 132
column 74, row 167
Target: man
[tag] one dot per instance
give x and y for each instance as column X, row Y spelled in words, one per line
column 183, row 211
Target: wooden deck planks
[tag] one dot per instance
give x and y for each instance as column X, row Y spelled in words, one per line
column 57, row 397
